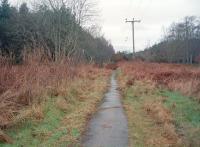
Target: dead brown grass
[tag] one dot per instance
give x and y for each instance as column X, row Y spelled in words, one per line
column 81, row 103
column 158, row 112
column 183, row 78
column 150, row 122
column 30, row 83
column 24, row 85
column 111, row 66
column 5, row 138
column 163, row 117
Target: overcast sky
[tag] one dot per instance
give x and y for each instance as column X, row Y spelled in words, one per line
column 154, row 14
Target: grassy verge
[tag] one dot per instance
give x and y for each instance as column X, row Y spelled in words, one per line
column 60, row 121
column 186, row 114
column 159, row 118
column 33, row 133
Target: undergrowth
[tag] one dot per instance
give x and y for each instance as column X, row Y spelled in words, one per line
column 187, row 116
column 148, row 126
column 32, row 133
column 64, row 117
column 46, row 103
column 176, row 77
column 157, row 117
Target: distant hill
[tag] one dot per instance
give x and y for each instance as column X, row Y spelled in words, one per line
column 181, row 44
column 176, row 51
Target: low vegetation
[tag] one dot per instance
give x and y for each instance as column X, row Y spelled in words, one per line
column 48, row 103
column 186, row 116
column 157, row 116
column 177, row 77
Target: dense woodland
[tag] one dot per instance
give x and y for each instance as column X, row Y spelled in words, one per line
column 180, row 44
column 55, row 27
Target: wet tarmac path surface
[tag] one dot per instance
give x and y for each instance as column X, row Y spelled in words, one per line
column 108, row 128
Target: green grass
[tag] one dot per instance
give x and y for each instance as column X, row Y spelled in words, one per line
column 186, row 110
column 30, row 133
column 186, row 114
column 141, row 127
column 60, row 127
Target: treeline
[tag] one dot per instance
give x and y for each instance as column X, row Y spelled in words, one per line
column 180, row 44
column 55, row 27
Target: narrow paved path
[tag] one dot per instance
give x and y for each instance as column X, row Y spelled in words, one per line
column 108, row 128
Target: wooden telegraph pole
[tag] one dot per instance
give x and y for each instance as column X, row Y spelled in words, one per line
column 133, row 31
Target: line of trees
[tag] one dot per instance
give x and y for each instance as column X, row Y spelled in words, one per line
column 56, row 26
column 180, row 44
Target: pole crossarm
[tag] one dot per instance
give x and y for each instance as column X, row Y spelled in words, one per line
column 132, row 21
